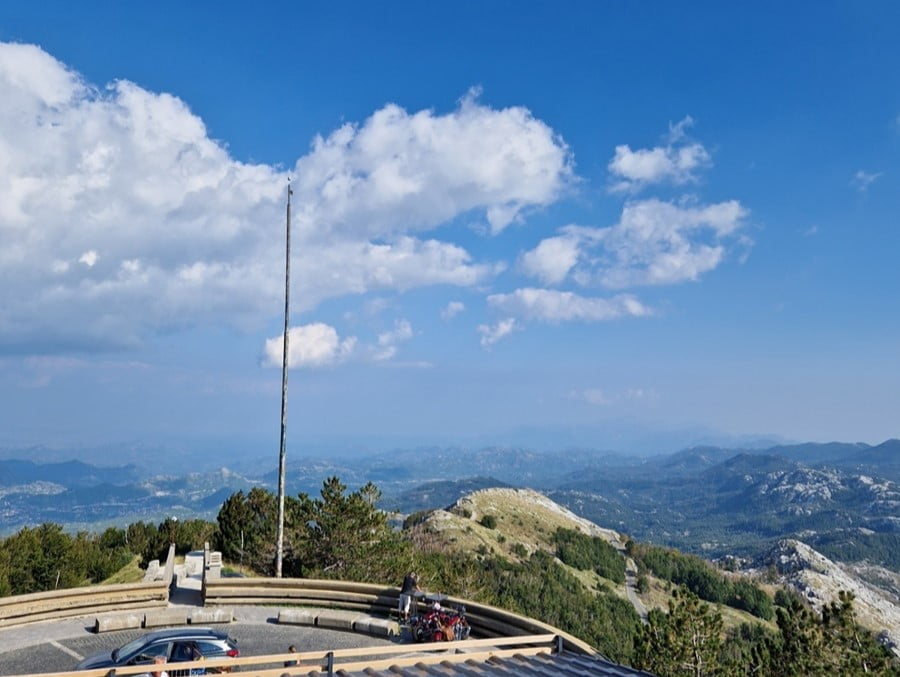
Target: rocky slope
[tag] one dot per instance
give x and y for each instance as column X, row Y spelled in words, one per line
column 526, row 520
column 819, row 579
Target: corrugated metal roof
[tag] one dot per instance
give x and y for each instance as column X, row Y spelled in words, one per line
column 562, row 664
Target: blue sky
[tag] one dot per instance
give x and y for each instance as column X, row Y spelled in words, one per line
column 506, row 215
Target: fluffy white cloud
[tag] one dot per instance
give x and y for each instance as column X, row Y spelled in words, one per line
column 120, row 217
column 311, row 345
column 658, row 242
column 491, row 333
column 553, row 306
column 552, row 259
column 400, row 171
column 655, row 242
column 676, row 162
column 453, row 309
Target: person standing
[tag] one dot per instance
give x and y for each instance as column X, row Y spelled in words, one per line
column 409, row 588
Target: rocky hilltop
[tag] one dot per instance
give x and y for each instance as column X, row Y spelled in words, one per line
column 819, row 579
column 522, row 517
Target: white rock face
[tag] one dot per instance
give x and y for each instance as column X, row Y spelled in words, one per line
column 819, row 579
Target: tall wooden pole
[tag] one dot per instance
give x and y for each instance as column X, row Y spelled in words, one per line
column 279, row 545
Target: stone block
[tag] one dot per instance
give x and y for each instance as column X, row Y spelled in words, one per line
column 111, row 623
column 297, row 616
column 212, row 615
column 337, row 619
column 381, row 627
column 169, row 617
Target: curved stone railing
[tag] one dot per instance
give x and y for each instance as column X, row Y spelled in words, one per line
column 485, row 620
column 56, row 604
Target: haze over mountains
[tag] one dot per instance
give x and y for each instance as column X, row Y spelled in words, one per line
column 841, row 497
column 248, row 453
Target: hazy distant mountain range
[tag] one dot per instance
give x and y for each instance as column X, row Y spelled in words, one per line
column 841, row 497
column 249, row 453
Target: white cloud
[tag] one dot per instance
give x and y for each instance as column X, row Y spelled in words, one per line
column 552, row 306
column 89, row 258
column 490, row 334
column 453, row 309
column 676, row 162
column 552, row 259
column 654, row 243
column 862, row 180
column 389, row 340
column 184, row 235
column 400, row 171
column 678, row 130
column 310, row 345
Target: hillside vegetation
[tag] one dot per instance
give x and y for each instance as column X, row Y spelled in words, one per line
column 513, row 549
column 510, row 522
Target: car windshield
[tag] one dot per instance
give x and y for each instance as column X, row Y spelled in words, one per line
column 125, row 652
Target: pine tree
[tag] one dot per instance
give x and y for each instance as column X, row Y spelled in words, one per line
column 851, row 650
column 686, row 642
column 798, row 651
column 346, row 535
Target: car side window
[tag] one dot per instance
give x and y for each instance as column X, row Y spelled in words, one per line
column 210, row 648
column 151, row 651
column 183, row 651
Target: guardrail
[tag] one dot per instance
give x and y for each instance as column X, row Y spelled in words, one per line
column 485, row 620
column 65, row 603
column 349, row 660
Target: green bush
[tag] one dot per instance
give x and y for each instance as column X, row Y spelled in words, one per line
column 589, row 553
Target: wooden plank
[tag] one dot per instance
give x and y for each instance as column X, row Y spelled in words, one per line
column 318, row 658
column 407, row 661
